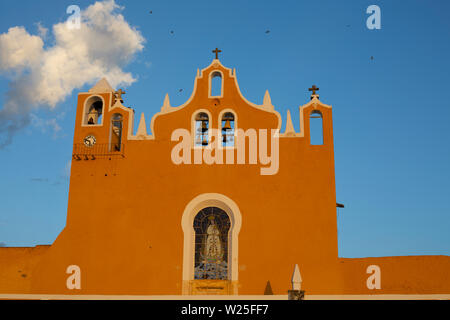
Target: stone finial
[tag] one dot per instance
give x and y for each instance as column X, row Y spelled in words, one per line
column 296, row 279
column 267, row 102
column 268, row 290
column 289, row 126
column 142, row 128
column 166, row 106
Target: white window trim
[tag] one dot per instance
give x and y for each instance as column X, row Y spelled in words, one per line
column 83, row 120
column 193, row 128
column 210, row 82
column 187, row 223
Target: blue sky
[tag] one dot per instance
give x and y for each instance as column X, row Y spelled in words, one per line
column 390, row 115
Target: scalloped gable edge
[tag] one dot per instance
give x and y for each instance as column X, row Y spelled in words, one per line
column 266, row 106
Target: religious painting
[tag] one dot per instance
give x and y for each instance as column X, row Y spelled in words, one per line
column 211, row 227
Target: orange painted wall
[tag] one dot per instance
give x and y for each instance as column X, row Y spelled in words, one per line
column 16, row 268
column 124, row 214
column 399, row 275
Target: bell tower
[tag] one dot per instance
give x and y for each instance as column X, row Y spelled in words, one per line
column 102, row 123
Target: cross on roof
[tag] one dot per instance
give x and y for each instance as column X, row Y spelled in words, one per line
column 119, row 94
column 313, row 89
column 216, row 51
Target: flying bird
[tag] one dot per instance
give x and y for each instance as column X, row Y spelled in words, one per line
column 171, row 31
column 180, row 90
column 371, row 57
column 268, row 31
column 151, row 12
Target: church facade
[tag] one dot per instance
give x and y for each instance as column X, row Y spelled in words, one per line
column 216, row 200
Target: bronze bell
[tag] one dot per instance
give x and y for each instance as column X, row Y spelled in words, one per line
column 204, row 127
column 227, row 125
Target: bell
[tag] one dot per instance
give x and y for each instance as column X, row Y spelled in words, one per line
column 204, row 127
column 227, row 125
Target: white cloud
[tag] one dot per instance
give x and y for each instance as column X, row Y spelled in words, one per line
column 42, row 77
column 45, row 124
column 19, row 50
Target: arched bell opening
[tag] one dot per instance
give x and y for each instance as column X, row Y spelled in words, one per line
column 93, row 111
column 228, row 129
column 201, row 129
column 116, row 132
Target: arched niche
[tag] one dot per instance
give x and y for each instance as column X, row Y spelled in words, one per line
column 187, row 223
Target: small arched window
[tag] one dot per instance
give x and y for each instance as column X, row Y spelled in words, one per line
column 201, row 129
column 316, row 128
column 116, row 132
column 94, row 111
column 216, row 84
column 228, row 129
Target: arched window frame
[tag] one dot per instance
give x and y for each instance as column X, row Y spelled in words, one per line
column 193, row 128
column 213, row 74
column 221, row 114
column 87, row 104
column 192, row 208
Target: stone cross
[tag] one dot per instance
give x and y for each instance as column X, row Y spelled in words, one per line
column 216, row 51
column 314, row 89
column 119, row 94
